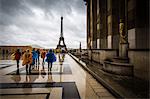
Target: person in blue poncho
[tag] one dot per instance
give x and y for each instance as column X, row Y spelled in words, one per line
column 50, row 58
column 34, row 57
column 38, row 57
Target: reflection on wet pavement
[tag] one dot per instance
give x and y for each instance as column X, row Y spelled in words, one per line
column 66, row 80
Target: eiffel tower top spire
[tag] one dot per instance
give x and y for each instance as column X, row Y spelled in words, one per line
column 61, row 35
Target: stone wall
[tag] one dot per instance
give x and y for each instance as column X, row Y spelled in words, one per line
column 90, row 54
column 100, row 55
column 140, row 60
column 12, row 49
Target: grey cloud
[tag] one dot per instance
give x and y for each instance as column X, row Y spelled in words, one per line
column 10, row 6
column 11, row 9
column 14, row 7
column 60, row 6
column 19, row 21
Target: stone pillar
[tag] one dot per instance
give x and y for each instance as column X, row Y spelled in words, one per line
column 109, row 23
column 112, row 24
column 94, row 16
column 103, row 23
column 123, row 45
column 91, row 24
column 88, row 25
column 98, row 24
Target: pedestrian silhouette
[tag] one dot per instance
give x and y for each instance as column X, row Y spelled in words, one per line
column 38, row 57
column 50, row 58
column 43, row 57
column 17, row 57
column 27, row 60
column 34, row 57
column 61, row 57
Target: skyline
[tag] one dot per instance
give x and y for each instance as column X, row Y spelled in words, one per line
column 33, row 22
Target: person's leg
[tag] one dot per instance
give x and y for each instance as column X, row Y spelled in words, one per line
column 43, row 60
column 33, row 63
column 17, row 72
column 43, row 63
column 48, row 65
column 30, row 68
column 51, row 66
column 17, row 64
column 27, row 69
column 38, row 60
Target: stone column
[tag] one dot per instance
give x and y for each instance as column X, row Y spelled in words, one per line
column 112, row 24
column 103, row 23
column 91, row 24
column 123, row 45
column 109, row 23
column 89, row 28
column 94, row 23
column 88, row 25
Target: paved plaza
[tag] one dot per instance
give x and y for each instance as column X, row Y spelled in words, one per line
column 67, row 80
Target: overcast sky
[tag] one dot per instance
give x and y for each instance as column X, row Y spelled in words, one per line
column 37, row 22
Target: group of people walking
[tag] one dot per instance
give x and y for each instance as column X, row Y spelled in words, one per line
column 32, row 58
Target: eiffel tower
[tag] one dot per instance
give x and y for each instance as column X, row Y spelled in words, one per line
column 63, row 46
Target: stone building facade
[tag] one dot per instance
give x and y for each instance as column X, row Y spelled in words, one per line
column 118, row 30
column 6, row 51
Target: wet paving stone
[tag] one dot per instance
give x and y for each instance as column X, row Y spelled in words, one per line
column 67, row 80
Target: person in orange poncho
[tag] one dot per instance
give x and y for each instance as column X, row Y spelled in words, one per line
column 27, row 60
column 43, row 54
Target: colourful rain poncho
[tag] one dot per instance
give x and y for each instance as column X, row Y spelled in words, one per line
column 34, row 57
column 27, row 58
column 50, row 57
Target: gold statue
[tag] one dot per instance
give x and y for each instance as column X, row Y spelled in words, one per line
column 123, row 35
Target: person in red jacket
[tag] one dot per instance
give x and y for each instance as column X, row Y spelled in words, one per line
column 17, row 57
column 43, row 54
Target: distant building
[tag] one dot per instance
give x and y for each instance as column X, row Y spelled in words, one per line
column 11, row 49
column 119, row 30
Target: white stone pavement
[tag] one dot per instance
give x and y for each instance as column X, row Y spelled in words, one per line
column 67, row 80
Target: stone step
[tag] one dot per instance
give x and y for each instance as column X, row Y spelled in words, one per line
column 124, row 69
column 121, row 60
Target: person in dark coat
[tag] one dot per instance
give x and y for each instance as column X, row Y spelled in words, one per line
column 17, row 57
